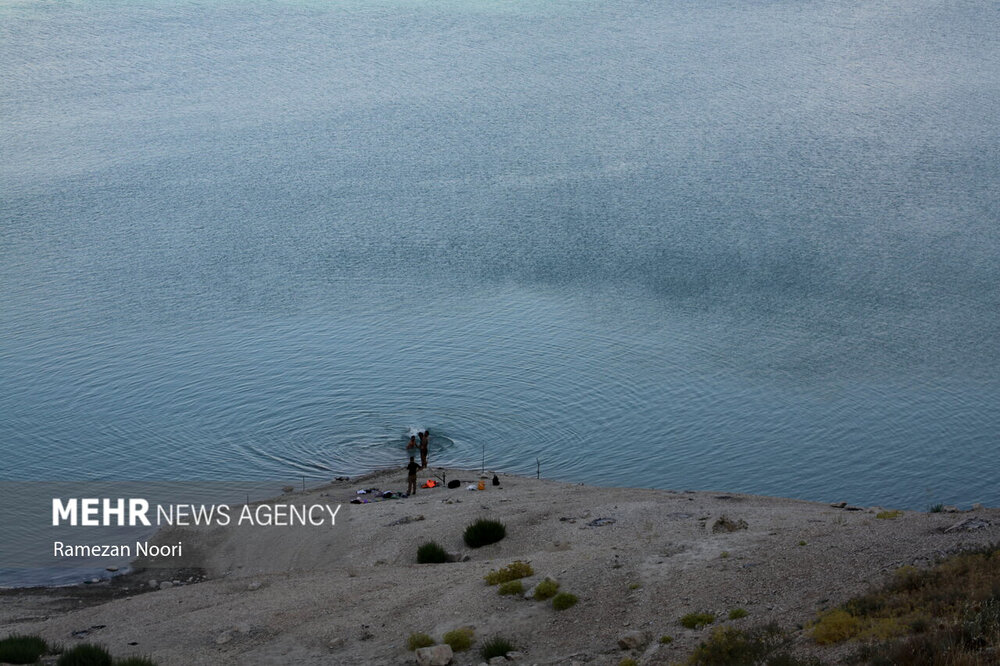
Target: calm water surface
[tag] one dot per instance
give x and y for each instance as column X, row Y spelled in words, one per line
column 722, row 245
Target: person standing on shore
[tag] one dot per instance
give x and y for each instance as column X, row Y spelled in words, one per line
column 411, row 476
column 425, row 438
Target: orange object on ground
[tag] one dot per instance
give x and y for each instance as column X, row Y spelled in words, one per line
column 430, row 483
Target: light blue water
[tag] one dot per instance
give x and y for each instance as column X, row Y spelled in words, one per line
column 742, row 246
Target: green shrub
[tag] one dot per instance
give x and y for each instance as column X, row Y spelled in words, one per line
column 802, row 543
column 666, row 640
column 459, row 639
column 889, row 515
column 835, row 626
column 135, row 661
column 511, row 587
column 418, row 640
column 738, row 613
column 431, row 553
column 936, row 508
column 483, row 532
column 495, row 646
column 512, row 571
column 86, row 654
column 546, row 589
column 726, row 645
column 628, row 661
column 564, row 600
column 697, row 620
column 724, row 554
column 634, row 586
column 18, row 649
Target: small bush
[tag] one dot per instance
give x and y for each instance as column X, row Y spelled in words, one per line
column 483, row 532
column 511, row 587
column 726, row 645
column 135, row 661
column 835, row 626
column 628, row 661
column 86, row 654
column 889, row 515
column 564, row 600
column 19, row 649
column 418, row 640
column 697, row 620
column 546, row 589
column 495, row 646
column 802, row 543
column 738, row 613
column 512, row 571
column 666, row 640
column 936, row 508
column 634, row 586
column 724, row 554
column 431, row 553
column 459, row 639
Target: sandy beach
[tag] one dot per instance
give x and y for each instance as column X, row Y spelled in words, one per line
column 637, row 559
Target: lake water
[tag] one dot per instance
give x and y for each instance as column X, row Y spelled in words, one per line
column 738, row 246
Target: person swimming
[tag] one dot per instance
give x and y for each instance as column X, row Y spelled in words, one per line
column 425, row 437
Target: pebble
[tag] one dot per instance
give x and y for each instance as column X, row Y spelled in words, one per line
column 223, row 638
column 255, row 585
column 166, row 585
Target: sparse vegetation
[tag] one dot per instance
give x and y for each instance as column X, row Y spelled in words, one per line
column 431, row 553
column 512, row 571
column 135, row 661
column 511, row 587
column 459, row 639
column 628, row 661
column 738, row 613
column 86, row 654
column 802, row 543
column 697, row 620
column 727, row 646
column 724, row 554
column 949, row 614
column 564, row 600
column 546, row 589
column 18, row 649
column 418, row 640
column 495, row 646
column 634, row 586
column 666, row 640
column 936, row 508
column 483, row 532
column 889, row 515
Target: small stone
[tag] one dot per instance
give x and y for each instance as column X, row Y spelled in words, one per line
column 166, row 585
column 255, row 585
column 435, row 655
column 154, row 583
column 633, row 640
column 111, row 569
column 288, row 489
column 950, row 508
column 496, row 661
column 977, row 507
column 839, row 505
column 223, row 638
column 337, row 643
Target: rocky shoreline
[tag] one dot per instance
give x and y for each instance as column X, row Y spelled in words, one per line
column 638, row 560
